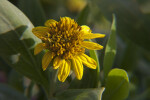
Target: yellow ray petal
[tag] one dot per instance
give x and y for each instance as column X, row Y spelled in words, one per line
column 92, row 36
column 85, row 29
column 48, row 56
column 88, row 61
column 49, row 22
column 91, row 45
column 40, row 32
column 78, row 68
column 64, row 70
column 57, row 62
column 38, row 48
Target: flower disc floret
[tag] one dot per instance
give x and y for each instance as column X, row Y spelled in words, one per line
column 64, row 38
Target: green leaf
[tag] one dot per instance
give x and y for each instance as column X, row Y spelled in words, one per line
column 17, row 43
column 94, row 55
column 110, row 50
column 33, row 10
column 7, row 93
column 95, row 73
column 80, row 94
column 117, row 85
column 83, row 16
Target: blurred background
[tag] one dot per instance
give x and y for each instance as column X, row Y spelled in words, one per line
column 133, row 35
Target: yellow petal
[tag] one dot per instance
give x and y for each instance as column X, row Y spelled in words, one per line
column 77, row 67
column 64, row 70
column 38, row 48
column 86, row 29
column 47, row 59
column 92, row 36
column 49, row 22
column 57, row 62
column 40, row 32
column 88, row 61
column 91, row 45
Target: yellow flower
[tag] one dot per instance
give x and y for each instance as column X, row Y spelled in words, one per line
column 65, row 45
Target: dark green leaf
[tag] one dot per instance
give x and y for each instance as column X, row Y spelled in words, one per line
column 83, row 16
column 33, row 10
column 80, row 94
column 117, row 85
column 7, row 93
column 110, row 50
column 17, row 43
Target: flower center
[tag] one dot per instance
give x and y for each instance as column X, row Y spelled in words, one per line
column 64, row 38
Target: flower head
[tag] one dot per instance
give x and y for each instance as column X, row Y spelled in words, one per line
column 65, row 45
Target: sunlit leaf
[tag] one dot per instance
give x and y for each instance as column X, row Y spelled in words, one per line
column 94, row 55
column 110, row 50
column 95, row 73
column 117, row 85
column 17, row 42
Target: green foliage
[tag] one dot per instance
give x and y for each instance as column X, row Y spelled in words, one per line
column 17, row 43
column 34, row 13
column 94, row 55
column 80, row 94
column 132, row 23
column 110, row 50
column 95, row 73
column 83, row 16
column 117, row 85
column 130, row 26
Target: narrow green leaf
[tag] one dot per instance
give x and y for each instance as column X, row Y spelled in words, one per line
column 94, row 55
column 17, row 42
column 80, row 94
column 117, row 85
column 33, row 10
column 7, row 93
column 95, row 73
column 110, row 50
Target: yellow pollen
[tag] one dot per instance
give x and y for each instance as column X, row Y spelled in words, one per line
column 64, row 38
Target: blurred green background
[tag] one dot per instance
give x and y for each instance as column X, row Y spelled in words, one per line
column 133, row 36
